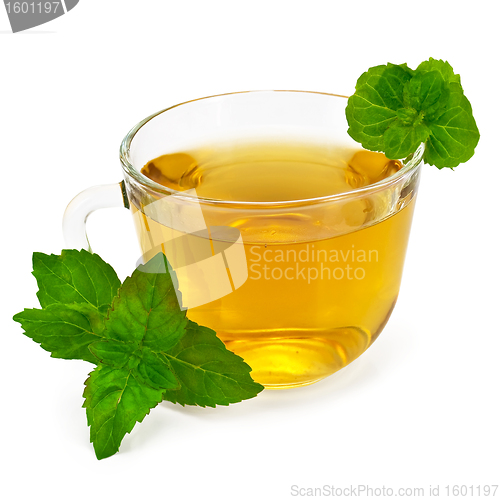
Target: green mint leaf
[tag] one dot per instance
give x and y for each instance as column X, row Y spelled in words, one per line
column 65, row 330
column 209, row 373
column 443, row 67
column 113, row 352
column 372, row 109
column 156, row 371
column 454, row 135
column 424, row 90
column 146, row 309
column 432, row 85
column 74, row 277
column 401, row 140
column 395, row 109
column 115, row 399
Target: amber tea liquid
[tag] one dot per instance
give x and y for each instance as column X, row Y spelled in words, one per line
column 322, row 281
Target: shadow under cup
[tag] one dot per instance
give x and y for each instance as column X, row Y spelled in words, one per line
column 298, row 288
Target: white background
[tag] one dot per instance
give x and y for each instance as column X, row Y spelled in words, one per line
column 419, row 408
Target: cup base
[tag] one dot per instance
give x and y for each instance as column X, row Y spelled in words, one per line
column 287, row 362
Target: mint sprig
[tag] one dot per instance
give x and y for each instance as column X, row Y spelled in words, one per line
column 144, row 347
column 395, row 109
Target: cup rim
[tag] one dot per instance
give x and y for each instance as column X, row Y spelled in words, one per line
column 412, row 162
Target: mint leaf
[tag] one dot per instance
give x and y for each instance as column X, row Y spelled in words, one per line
column 209, row 374
column 401, row 140
column 74, row 277
column 76, row 289
column 454, row 135
column 146, row 309
column 156, row 371
column 372, row 109
column 424, row 91
column 115, row 399
column 395, row 109
column 113, row 352
column 65, row 330
column 444, row 68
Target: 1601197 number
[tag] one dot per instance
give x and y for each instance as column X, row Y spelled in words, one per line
column 470, row 490
column 32, row 7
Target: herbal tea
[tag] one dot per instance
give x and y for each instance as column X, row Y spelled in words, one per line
column 322, row 278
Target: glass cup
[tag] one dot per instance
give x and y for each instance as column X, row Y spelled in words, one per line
column 299, row 288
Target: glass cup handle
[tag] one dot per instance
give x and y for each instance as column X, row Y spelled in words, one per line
column 83, row 204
